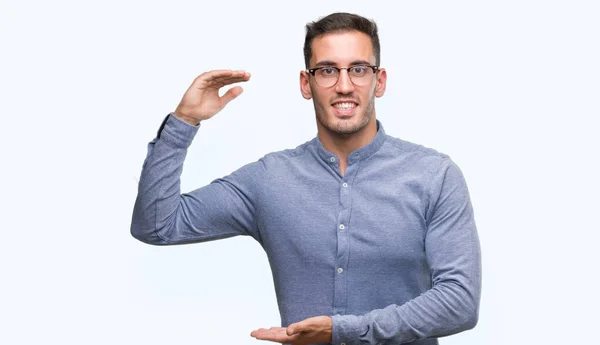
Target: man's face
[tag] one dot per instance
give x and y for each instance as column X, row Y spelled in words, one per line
column 344, row 108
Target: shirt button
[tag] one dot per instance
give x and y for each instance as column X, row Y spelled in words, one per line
column 332, row 159
column 340, row 270
column 343, row 344
column 342, row 227
column 345, row 184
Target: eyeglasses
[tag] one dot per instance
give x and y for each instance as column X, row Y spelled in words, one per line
column 327, row 76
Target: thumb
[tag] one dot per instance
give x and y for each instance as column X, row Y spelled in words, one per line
column 302, row 326
column 293, row 329
column 231, row 94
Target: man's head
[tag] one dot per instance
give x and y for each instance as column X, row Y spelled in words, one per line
column 341, row 22
column 343, row 77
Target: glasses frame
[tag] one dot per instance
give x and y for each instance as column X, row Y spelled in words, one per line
column 312, row 72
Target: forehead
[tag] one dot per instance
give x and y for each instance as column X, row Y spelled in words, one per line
column 342, row 48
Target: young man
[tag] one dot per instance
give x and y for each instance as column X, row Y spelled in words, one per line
column 371, row 239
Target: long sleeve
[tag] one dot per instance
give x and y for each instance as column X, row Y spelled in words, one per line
column 454, row 258
column 164, row 216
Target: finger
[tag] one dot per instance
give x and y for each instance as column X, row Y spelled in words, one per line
column 219, row 83
column 234, row 78
column 293, row 329
column 206, row 77
column 267, row 330
column 220, row 73
column 276, row 334
column 254, row 332
column 212, row 76
column 231, row 94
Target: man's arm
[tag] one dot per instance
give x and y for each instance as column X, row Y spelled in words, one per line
column 222, row 209
column 163, row 216
column 454, row 257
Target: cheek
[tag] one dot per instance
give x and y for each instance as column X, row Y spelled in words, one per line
column 321, row 98
column 370, row 94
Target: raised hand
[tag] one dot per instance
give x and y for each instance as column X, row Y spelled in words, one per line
column 201, row 101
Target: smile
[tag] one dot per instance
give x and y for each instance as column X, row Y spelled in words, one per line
column 344, row 106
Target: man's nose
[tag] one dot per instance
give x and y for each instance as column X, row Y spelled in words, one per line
column 344, row 84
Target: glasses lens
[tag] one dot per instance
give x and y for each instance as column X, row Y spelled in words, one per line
column 361, row 75
column 327, row 76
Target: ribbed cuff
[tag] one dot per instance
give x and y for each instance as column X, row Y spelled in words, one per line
column 176, row 132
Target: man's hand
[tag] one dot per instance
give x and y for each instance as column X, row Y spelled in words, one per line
column 314, row 330
column 202, row 101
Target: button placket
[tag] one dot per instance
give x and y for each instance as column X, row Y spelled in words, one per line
column 340, row 292
column 343, row 235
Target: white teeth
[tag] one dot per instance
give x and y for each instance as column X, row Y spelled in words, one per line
column 344, row 105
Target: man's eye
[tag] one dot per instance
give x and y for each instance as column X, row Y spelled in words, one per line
column 359, row 69
column 327, row 71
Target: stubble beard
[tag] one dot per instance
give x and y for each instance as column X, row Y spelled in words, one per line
column 344, row 127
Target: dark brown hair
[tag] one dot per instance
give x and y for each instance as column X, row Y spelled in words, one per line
column 341, row 22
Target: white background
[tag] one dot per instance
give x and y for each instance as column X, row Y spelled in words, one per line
column 509, row 89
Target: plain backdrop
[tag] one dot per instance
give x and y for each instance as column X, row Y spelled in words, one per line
column 508, row 89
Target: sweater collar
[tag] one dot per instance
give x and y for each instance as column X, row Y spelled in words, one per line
column 356, row 155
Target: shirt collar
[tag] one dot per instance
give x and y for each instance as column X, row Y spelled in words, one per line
column 356, row 155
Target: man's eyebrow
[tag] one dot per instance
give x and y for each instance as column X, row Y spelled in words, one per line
column 326, row 63
column 360, row 62
column 331, row 63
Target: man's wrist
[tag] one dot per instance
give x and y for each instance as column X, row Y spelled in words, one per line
column 177, row 132
column 189, row 120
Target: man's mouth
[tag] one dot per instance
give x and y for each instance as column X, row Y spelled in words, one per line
column 345, row 105
column 344, row 108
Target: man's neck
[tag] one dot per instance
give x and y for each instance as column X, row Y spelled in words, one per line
column 342, row 145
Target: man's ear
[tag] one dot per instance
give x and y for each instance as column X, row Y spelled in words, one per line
column 381, row 82
column 305, row 85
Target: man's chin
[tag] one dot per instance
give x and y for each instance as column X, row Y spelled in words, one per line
column 344, row 126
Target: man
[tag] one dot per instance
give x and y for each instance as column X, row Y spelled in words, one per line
column 371, row 239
